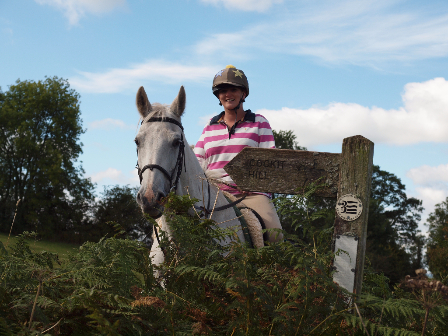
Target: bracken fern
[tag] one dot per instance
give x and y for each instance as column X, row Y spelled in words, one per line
column 202, row 288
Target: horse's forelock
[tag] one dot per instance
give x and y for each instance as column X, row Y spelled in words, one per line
column 160, row 110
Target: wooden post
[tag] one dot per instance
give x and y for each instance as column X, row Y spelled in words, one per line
column 349, row 173
column 355, row 172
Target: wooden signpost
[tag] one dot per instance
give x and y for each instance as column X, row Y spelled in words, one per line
column 346, row 176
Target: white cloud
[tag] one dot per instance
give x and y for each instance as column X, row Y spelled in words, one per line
column 116, row 80
column 204, row 120
column 426, row 175
column 116, row 176
column 245, row 5
column 432, row 185
column 110, row 173
column 109, row 124
column 359, row 32
column 431, row 197
column 423, row 118
column 75, row 9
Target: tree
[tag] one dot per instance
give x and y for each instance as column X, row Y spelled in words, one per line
column 40, row 127
column 286, row 140
column 118, row 205
column 394, row 244
column 438, row 240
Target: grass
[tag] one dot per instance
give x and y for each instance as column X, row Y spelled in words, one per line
column 41, row 245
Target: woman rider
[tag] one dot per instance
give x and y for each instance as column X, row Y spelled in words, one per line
column 228, row 133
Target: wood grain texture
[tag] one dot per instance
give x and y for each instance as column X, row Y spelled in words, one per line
column 284, row 171
column 355, row 174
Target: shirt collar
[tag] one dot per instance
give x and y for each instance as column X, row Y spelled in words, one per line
column 249, row 117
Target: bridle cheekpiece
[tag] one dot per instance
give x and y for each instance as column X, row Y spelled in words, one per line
column 180, row 157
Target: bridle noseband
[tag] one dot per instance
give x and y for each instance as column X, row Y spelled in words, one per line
column 180, row 157
column 179, row 162
column 173, row 186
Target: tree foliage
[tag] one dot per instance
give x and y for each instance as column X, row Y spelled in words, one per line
column 394, row 244
column 40, row 127
column 117, row 205
column 437, row 253
column 286, row 140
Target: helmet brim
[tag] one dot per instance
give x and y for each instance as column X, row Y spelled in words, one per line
column 220, row 85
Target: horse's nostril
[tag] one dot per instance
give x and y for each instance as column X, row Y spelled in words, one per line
column 159, row 196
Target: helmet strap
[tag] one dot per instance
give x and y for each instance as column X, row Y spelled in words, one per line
column 238, row 106
column 232, row 130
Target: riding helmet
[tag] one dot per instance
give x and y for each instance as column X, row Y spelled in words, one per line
column 230, row 75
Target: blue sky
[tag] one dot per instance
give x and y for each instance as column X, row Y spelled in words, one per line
column 324, row 69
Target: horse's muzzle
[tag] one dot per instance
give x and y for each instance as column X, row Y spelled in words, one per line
column 152, row 207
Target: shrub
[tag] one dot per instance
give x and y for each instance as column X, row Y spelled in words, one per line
column 202, row 288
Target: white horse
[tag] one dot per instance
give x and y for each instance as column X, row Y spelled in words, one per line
column 162, row 151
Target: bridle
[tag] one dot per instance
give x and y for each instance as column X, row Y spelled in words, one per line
column 180, row 157
column 180, row 161
column 178, row 168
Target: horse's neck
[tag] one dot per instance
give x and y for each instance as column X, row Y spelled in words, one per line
column 193, row 180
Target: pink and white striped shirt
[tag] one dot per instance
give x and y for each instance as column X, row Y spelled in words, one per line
column 217, row 146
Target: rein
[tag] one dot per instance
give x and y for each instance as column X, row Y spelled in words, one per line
column 208, row 211
column 178, row 167
column 180, row 161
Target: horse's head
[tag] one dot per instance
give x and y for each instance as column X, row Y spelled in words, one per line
column 159, row 142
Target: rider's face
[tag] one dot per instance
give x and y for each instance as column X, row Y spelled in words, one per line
column 230, row 96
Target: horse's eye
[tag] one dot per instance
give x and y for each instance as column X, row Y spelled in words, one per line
column 176, row 142
column 136, row 142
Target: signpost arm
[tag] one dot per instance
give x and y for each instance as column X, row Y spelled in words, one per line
column 355, row 173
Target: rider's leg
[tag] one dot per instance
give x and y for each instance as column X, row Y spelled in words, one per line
column 265, row 208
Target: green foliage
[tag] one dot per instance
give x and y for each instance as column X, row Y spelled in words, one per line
column 438, row 241
column 307, row 215
column 40, row 128
column 84, row 293
column 400, row 311
column 394, row 245
column 376, row 284
column 117, row 205
column 391, row 201
column 39, row 245
column 403, row 312
column 286, row 140
column 280, row 289
column 109, row 288
column 203, row 287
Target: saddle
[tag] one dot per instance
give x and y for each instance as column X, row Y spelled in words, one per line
column 251, row 223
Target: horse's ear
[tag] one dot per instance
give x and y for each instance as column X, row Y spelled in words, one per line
column 178, row 105
column 143, row 104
